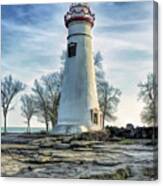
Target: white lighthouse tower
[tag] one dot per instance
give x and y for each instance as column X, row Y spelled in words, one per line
column 79, row 109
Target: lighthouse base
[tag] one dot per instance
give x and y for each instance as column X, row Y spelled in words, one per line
column 75, row 129
column 69, row 129
column 95, row 123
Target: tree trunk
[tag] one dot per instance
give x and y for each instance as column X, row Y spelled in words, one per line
column 28, row 126
column 47, row 127
column 105, row 108
column 5, row 123
column 47, row 124
column 52, row 124
column 103, row 119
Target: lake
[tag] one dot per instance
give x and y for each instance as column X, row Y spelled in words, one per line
column 22, row 129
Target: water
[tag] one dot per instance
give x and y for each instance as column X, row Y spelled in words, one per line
column 22, row 129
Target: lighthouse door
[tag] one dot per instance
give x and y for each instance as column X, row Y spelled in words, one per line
column 94, row 116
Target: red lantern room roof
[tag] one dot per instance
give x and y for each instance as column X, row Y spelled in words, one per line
column 79, row 12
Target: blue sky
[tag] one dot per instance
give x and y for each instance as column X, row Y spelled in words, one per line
column 34, row 36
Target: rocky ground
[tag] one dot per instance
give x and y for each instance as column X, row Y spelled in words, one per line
column 38, row 155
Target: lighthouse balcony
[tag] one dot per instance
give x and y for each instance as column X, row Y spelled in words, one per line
column 79, row 12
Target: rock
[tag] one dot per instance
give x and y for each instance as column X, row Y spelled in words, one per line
column 29, row 168
column 70, row 157
column 119, row 174
column 151, row 172
column 106, row 163
column 48, row 145
column 46, row 142
column 67, row 139
column 61, row 146
column 94, row 136
column 82, row 149
column 84, row 144
column 115, row 139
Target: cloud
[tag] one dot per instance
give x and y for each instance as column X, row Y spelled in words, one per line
column 33, row 37
column 35, row 48
column 122, row 11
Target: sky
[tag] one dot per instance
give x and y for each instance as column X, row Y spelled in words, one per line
column 34, row 36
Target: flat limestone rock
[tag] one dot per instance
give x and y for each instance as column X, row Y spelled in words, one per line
column 75, row 144
column 61, row 146
column 63, row 157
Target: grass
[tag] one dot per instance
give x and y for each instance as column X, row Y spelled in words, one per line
column 127, row 142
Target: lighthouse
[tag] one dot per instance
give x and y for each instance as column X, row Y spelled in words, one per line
column 79, row 108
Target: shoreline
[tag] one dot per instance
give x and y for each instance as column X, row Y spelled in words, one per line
column 41, row 155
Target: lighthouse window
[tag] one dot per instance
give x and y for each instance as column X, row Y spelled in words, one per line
column 91, row 114
column 72, row 49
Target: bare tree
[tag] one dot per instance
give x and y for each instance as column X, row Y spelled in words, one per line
column 47, row 95
column 109, row 97
column 41, row 103
column 52, row 84
column 28, row 109
column 9, row 89
column 148, row 94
